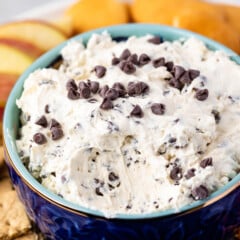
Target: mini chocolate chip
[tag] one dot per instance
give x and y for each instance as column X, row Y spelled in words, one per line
column 178, row 71
column 190, row 173
column 158, row 108
column 106, row 104
column 100, row 71
column 127, row 67
column 98, row 192
column 141, row 88
column 185, row 78
column 120, row 88
column 169, row 66
column 112, row 176
column 216, row 115
column 73, row 94
column 112, row 94
column 206, row 162
column 176, row 83
column 84, row 90
column 143, row 59
column 125, row 54
column 71, row 85
column 39, row 138
column 200, row 193
column 193, row 73
column 54, row 123
column 46, row 109
column 172, row 140
column 93, row 85
column 103, row 90
column 155, row 40
column 56, row 133
column 135, row 89
column 133, row 59
column 201, row 94
column 176, row 173
column 115, row 61
column 159, row 62
column 42, row 121
column 137, row 112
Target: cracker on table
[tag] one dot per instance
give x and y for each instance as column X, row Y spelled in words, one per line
column 1, row 156
column 13, row 219
column 29, row 236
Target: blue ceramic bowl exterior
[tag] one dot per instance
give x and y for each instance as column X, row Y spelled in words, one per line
column 213, row 218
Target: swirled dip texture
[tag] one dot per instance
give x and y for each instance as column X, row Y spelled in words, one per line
column 135, row 126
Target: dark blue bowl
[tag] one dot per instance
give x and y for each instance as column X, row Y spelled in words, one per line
column 213, row 218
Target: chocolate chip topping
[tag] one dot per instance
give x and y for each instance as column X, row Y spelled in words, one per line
column 169, row 66
column 106, row 104
column 125, row 54
column 190, row 173
column 178, row 71
column 200, row 193
column 54, row 123
column 201, row 94
column 84, row 90
column 206, row 162
column 133, row 59
column 127, row 67
column 158, row 108
column 100, row 71
column 113, row 176
column 71, row 85
column 185, row 78
column 46, row 109
column 115, row 61
column 119, row 87
column 42, row 121
column 73, row 94
column 176, row 173
column 56, row 133
column 103, row 90
column 176, row 83
column 98, row 192
column 193, row 73
column 216, row 115
column 138, row 88
column 159, row 62
column 93, row 85
column 39, row 138
column 137, row 112
column 112, row 94
column 172, row 140
column 143, row 59
column 155, row 40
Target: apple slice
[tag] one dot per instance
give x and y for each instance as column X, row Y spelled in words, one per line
column 13, row 60
column 7, row 81
column 24, row 46
column 39, row 33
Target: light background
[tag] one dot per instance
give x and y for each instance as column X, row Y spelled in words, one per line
column 10, row 9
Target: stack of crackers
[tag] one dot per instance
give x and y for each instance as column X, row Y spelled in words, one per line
column 14, row 223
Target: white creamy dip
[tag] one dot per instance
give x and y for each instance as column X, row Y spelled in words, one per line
column 118, row 162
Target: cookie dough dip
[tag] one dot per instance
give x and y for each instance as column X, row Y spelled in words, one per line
column 135, row 126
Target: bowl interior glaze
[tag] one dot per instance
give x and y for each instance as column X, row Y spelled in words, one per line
column 11, row 115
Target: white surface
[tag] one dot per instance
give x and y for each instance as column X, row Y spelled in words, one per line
column 14, row 9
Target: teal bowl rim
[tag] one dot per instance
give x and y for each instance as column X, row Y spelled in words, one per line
column 11, row 114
